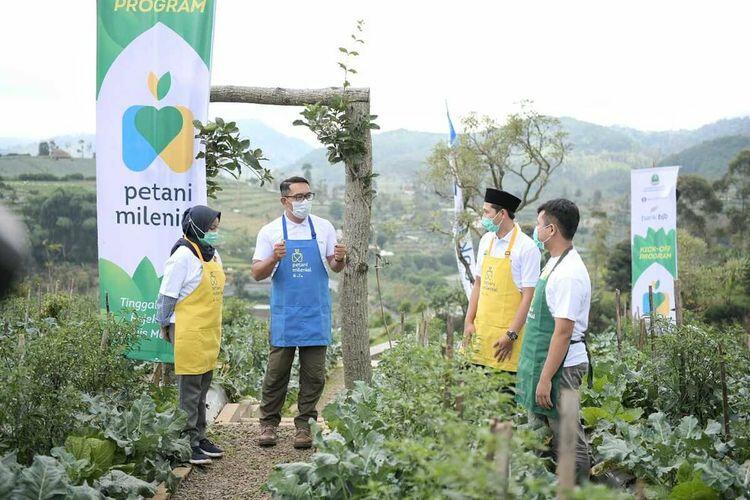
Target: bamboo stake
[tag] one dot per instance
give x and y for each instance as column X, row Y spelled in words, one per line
column 724, row 395
column 105, row 333
column 502, row 434
column 678, row 303
column 22, row 334
column 618, row 307
column 566, row 455
column 448, row 354
column 651, row 315
column 449, row 337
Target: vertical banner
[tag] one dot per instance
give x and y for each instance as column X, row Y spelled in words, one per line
column 461, row 235
column 152, row 81
column 653, row 228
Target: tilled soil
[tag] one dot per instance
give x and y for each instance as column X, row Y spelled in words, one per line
column 245, row 467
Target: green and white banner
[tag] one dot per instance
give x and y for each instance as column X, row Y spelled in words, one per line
column 152, row 81
column 653, row 229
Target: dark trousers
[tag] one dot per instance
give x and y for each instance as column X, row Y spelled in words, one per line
column 570, row 379
column 193, row 390
column 312, row 380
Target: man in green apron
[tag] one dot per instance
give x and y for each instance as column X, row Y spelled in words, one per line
column 554, row 354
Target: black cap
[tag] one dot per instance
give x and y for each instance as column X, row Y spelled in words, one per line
column 502, row 198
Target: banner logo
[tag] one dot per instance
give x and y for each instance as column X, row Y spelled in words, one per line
column 167, row 132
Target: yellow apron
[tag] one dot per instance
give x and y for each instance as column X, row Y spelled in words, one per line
column 499, row 299
column 198, row 322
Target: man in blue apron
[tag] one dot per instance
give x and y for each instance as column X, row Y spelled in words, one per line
column 295, row 250
column 554, row 354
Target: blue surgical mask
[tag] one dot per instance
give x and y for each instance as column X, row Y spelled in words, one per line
column 489, row 226
column 211, row 238
column 539, row 243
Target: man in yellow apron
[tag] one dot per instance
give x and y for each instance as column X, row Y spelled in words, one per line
column 506, row 273
column 189, row 310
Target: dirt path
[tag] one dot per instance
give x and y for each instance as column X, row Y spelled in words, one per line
column 243, row 472
column 245, row 468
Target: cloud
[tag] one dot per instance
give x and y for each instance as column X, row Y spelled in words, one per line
column 651, row 65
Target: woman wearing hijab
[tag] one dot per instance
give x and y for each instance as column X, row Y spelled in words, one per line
column 189, row 312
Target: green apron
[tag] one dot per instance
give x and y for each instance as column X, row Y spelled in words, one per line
column 539, row 328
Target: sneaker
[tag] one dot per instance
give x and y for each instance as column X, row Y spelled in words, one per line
column 268, row 436
column 210, row 449
column 198, row 457
column 303, row 439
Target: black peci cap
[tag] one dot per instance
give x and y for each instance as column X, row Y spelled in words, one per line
column 502, row 198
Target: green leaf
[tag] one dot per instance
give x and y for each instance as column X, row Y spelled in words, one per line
column 83, row 492
column 613, row 448
column 146, row 280
column 630, row 415
column 695, row 489
column 45, row 478
column 100, row 453
column 342, row 49
column 77, row 470
column 117, row 484
column 162, row 88
column 689, row 428
column 7, row 480
column 592, row 415
column 659, row 423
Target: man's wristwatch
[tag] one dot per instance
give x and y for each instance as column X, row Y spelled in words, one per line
column 512, row 335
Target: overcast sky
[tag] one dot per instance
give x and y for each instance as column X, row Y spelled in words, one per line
column 647, row 64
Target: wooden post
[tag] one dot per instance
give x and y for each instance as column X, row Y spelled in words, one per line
column 105, row 333
column 640, row 490
column 724, row 395
column 566, row 454
column 678, row 303
column 502, row 435
column 22, row 333
column 651, row 316
column 641, row 333
column 618, row 317
column 403, row 322
column 449, row 337
column 157, row 374
column 448, row 355
column 425, row 334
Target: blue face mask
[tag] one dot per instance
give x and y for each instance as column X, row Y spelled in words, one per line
column 211, row 238
column 489, row 226
column 539, row 243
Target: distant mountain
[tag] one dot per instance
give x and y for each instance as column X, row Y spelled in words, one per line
column 280, row 149
column 400, row 152
column 68, row 142
column 589, row 137
column 709, row 158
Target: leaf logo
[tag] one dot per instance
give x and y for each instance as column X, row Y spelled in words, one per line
column 167, row 132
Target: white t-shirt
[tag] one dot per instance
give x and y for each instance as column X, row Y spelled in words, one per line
column 273, row 233
column 525, row 257
column 569, row 297
column 183, row 272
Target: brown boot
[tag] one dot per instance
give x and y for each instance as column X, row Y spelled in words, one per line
column 303, row 439
column 268, row 436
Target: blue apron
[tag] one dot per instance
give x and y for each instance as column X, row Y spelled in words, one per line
column 300, row 300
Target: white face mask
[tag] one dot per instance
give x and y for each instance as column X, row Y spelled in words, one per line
column 301, row 209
